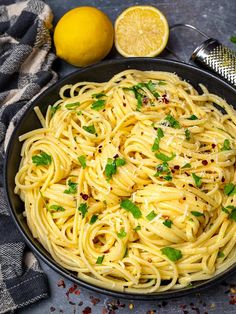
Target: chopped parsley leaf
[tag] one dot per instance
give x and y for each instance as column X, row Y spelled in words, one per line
column 220, row 254
column 197, row 180
column 151, row 215
column 233, row 39
column 98, row 105
column 167, row 223
column 72, row 188
column 100, row 259
column 122, row 234
column 93, row 219
column 187, row 134
column 83, row 208
column 137, row 228
column 164, row 170
column 160, row 134
column 161, row 82
column 172, row 122
column 56, row 208
column 112, row 165
column 173, row 254
column 42, row 159
column 54, row 109
column 90, row 129
column 73, row 105
column 230, row 189
column 193, row 117
column 226, row 145
column 225, row 210
column 164, row 157
column 232, row 214
column 99, row 95
column 131, row 207
column 186, row 166
column 196, row 213
column 82, row 160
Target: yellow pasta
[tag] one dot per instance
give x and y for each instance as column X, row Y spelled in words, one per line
column 131, row 183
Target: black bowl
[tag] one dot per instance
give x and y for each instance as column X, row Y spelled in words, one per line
column 99, row 73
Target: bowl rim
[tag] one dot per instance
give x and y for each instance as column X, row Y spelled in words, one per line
column 52, row 263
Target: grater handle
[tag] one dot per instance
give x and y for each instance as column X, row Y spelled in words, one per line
column 212, row 55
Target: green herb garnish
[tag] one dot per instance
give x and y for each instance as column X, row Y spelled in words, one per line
column 100, row 259
column 112, row 165
column 193, row 117
column 99, row 95
column 233, row 39
column 131, row 207
column 42, row 159
column 90, row 129
column 137, row 228
column 160, row 134
column 151, row 215
column 186, row 166
column 82, row 160
column 93, row 219
column 187, row 134
column 122, row 234
column 57, row 208
column 164, row 170
column 72, row 188
column 232, row 214
column 164, row 157
column 167, row 223
column 226, row 145
column 220, row 254
column 230, row 189
column 83, row 208
column 161, row 82
column 196, row 213
column 172, row 122
column 98, row 105
column 54, row 109
column 197, row 180
column 73, row 105
column 173, row 254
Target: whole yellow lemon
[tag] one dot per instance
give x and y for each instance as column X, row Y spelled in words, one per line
column 83, row 36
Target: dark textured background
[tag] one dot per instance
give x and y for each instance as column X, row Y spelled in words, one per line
column 217, row 18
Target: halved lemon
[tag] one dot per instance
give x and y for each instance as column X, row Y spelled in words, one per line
column 141, row 31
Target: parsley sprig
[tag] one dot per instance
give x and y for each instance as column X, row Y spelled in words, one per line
column 160, row 135
column 43, row 159
column 72, row 188
column 131, row 207
column 112, row 165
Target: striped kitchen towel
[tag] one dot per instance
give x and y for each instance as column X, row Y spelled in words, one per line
column 25, row 70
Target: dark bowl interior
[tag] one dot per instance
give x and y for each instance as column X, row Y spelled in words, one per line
column 99, row 73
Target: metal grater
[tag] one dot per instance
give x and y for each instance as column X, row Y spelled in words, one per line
column 212, row 55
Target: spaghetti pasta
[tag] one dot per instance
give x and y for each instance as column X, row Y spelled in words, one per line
column 131, row 183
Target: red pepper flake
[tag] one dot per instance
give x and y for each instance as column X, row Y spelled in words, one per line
column 176, row 167
column 124, row 104
column 84, row 196
column 184, row 198
column 212, row 160
column 187, row 174
column 61, row 283
column 116, row 156
column 213, row 145
column 77, row 292
column 52, row 309
column 223, row 179
column 71, row 290
column 87, row 310
column 145, row 100
column 99, row 150
column 232, row 299
column 204, row 162
column 164, row 99
column 94, row 300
